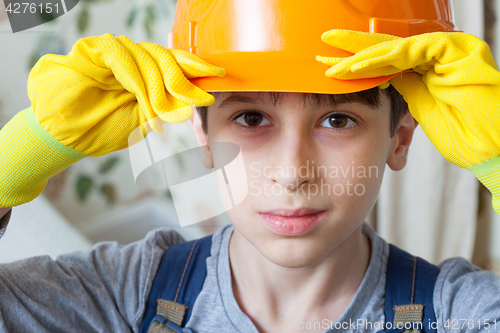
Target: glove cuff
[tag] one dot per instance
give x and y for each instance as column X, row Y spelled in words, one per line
column 30, row 156
column 488, row 173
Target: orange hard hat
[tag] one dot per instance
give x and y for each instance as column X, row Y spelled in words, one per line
column 271, row 45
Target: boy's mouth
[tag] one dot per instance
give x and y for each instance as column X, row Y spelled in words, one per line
column 292, row 222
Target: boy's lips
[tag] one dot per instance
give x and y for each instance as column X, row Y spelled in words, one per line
column 292, row 222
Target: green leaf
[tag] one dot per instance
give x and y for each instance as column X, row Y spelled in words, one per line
column 180, row 161
column 148, row 22
column 83, row 20
column 132, row 15
column 150, row 12
column 168, row 194
column 83, row 187
column 33, row 60
column 183, row 142
column 108, row 164
column 46, row 17
column 108, row 190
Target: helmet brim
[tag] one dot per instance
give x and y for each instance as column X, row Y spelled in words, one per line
column 249, row 72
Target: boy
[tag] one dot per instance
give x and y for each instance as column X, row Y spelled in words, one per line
column 326, row 270
column 295, row 257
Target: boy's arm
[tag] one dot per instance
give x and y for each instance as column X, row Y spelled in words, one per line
column 5, row 214
column 466, row 298
column 100, row 290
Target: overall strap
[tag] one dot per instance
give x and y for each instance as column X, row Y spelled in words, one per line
column 409, row 293
column 176, row 286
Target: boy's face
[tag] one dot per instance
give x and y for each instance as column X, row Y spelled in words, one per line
column 327, row 159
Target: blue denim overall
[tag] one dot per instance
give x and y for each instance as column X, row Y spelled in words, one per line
column 408, row 291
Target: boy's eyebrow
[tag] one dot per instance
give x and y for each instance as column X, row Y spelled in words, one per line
column 315, row 101
column 241, row 99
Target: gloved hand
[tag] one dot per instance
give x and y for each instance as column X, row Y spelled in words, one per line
column 88, row 103
column 453, row 90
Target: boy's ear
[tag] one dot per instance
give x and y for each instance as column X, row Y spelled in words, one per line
column 201, row 138
column 401, row 141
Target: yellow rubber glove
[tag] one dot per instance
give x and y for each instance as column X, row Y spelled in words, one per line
column 88, row 102
column 454, row 91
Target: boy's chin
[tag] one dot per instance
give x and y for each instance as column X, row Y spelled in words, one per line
column 297, row 252
column 309, row 249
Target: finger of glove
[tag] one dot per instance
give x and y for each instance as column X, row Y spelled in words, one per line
column 142, row 77
column 178, row 94
column 193, row 66
column 330, row 61
column 379, row 60
column 342, row 72
column 354, row 41
column 345, row 66
column 351, row 41
column 417, row 96
column 174, row 79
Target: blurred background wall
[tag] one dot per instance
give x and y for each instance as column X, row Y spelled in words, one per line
column 431, row 208
column 97, row 198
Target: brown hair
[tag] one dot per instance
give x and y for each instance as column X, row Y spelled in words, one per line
column 370, row 97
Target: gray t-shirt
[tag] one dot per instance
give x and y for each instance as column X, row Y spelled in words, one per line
column 105, row 290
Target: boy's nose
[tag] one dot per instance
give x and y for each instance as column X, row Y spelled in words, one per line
column 293, row 162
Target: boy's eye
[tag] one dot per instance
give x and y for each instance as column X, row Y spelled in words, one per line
column 252, row 119
column 339, row 121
